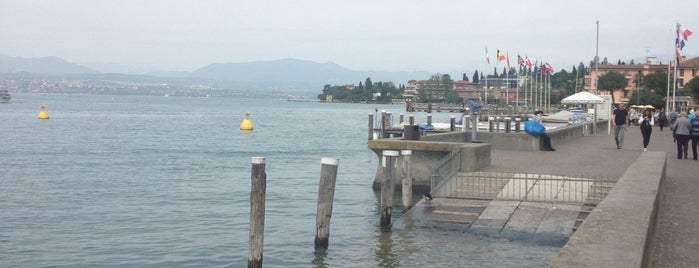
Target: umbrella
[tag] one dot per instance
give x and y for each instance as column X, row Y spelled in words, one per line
column 636, row 106
column 583, row 97
column 649, row 107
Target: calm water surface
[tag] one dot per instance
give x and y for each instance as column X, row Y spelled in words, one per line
column 136, row 181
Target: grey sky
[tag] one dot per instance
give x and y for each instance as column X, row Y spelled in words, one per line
column 393, row 35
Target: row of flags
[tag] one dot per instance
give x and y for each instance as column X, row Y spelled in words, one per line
column 526, row 61
column 682, row 36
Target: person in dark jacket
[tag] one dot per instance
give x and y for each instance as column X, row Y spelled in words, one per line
column 662, row 119
column 545, row 139
column 694, row 135
column 646, row 122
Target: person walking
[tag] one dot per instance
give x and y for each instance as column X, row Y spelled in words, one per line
column 662, row 118
column 646, row 123
column 621, row 119
column 694, row 135
column 682, row 128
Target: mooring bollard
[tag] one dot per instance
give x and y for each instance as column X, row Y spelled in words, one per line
column 387, row 185
column 411, row 120
column 452, row 123
column 497, row 124
column 326, row 193
column 257, row 212
column 429, row 119
column 407, row 180
column 371, row 126
column 518, row 121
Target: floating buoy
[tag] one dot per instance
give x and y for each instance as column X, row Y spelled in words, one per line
column 247, row 123
column 43, row 114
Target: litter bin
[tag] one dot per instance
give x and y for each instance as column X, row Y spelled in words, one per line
column 411, row 132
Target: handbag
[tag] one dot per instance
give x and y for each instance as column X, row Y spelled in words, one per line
column 534, row 128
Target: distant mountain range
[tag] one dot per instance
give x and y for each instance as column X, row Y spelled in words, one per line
column 45, row 65
column 276, row 72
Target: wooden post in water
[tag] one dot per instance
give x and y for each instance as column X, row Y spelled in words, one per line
column 371, row 126
column 497, row 124
column 387, row 185
column 383, row 124
column 400, row 120
column 452, row 123
column 411, row 120
column 518, row 122
column 491, row 123
column 508, row 124
column 257, row 212
column 326, row 192
column 429, row 119
column 407, row 180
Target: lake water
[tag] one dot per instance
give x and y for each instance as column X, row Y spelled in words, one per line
column 143, row 181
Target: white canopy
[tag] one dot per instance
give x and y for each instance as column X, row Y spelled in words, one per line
column 583, row 97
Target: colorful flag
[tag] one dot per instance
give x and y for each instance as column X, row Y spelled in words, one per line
column 520, row 60
column 549, row 68
column 487, row 58
column 501, row 57
column 682, row 35
column 528, row 61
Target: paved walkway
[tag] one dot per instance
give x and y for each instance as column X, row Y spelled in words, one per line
column 677, row 237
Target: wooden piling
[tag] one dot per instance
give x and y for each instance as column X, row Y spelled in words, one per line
column 400, row 118
column 508, row 124
column 383, row 124
column 497, row 124
column 326, row 193
column 411, row 120
column 371, row 126
column 387, row 186
column 518, row 122
column 407, row 180
column 491, row 124
column 429, row 119
column 257, row 212
column 452, row 123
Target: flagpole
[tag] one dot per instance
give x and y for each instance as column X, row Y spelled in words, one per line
column 667, row 92
column 674, row 88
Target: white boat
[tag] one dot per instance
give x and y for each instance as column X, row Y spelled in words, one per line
column 5, row 96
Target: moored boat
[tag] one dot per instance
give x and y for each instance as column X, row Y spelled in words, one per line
column 5, row 96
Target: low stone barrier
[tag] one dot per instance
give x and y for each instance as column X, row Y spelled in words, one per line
column 618, row 232
column 426, row 155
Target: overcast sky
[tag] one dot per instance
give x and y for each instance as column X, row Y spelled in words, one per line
column 391, row 35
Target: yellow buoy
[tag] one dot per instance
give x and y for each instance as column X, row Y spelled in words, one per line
column 247, row 123
column 43, row 114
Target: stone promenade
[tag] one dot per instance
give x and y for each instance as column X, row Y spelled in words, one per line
column 676, row 240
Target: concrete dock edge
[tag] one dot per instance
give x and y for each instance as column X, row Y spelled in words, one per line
column 619, row 231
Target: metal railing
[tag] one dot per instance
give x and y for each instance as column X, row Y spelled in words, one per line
column 447, row 168
column 518, row 186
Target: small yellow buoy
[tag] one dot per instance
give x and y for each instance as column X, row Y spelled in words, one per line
column 43, row 114
column 247, row 123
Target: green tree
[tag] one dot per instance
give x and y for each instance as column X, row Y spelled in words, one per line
column 475, row 77
column 655, row 82
column 693, row 87
column 369, row 85
column 612, row 81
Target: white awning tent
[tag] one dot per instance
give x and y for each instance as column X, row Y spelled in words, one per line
column 585, row 97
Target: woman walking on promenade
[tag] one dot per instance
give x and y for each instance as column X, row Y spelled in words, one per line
column 682, row 129
column 694, row 135
column 646, row 122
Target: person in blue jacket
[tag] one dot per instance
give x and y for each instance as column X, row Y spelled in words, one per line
column 545, row 138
